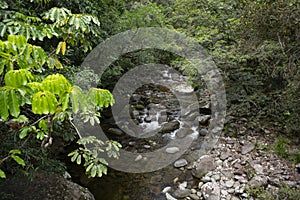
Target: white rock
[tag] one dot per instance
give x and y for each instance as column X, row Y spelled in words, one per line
column 180, row 163
column 183, row 185
column 166, row 189
column 229, row 183
column 172, row 150
column 139, row 157
column 169, row 197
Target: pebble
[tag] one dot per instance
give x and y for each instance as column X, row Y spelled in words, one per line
column 172, row 150
column 169, row 197
column 247, row 148
column 180, row 163
column 194, row 196
column 166, row 189
column 229, row 183
column 139, row 157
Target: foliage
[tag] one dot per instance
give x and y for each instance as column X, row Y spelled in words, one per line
column 284, row 192
column 33, row 95
column 280, row 147
column 141, row 15
column 95, row 166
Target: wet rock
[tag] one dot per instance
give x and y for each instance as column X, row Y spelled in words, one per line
column 115, row 131
column 169, row 127
column 184, row 89
column 148, row 119
column 204, row 165
column 180, row 163
column 140, row 107
column 203, row 132
column 182, row 193
column 203, row 120
column 181, row 133
column 155, row 179
column 139, row 157
column 247, row 148
column 298, row 167
column 172, row 150
column 147, row 146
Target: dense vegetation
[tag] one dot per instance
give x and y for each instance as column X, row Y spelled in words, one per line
column 254, row 43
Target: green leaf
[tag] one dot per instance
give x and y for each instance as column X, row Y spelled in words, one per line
column 40, row 135
column 15, row 151
column 65, row 101
column 53, row 62
column 94, row 171
column 76, row 98
column 78, row 160
column 17, row 78
column 13, row 103
column 44, row 103
column 89, row 167
column 3, row 105
column 19, row 160
column 24, row 132
column 57, row 84
column 2, row 174
column 74, row 157
column 43, row 125
column 100, row 97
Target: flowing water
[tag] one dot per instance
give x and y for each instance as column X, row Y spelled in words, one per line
column 153, row 108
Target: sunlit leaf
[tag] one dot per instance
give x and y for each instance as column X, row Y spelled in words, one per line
column 19, row 160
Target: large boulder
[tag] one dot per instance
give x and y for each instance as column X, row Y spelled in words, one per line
column 48, row 186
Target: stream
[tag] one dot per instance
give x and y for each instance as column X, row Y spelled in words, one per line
column 155, row 109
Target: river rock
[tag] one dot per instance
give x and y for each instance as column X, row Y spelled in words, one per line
column 172, row 150
column 166, row 189
column 257, row 181
column 44, row 186
column 211, row 191
column 148, row 119
column 169, row 127
column 184, row 89
column 229, row 183
column 247, row 148
column 194, row 196
column 203, row 132
column 258, row 169
column 204, row 165
column 181, row 133
column 170, row 197
column 203, row 120
column 182, row 193
column 115, row 131
column 180, row 163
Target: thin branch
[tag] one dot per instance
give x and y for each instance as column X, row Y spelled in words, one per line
column 281, row 44
column 38, row 120
column 77, row 131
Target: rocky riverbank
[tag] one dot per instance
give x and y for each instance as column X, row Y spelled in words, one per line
column 234, row 168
